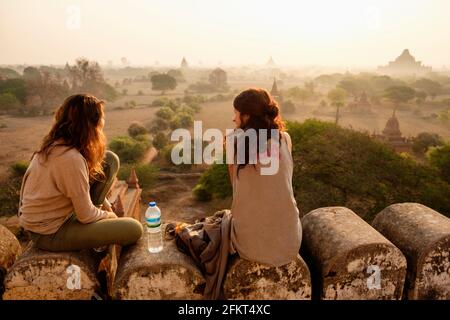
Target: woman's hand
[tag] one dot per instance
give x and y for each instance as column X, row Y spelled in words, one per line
column 106, row 206
column 111, row 215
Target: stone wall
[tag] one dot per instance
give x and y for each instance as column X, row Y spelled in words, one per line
column 404, row 254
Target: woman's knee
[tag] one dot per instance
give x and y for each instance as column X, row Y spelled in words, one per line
column 113, row 161
column 132, row 230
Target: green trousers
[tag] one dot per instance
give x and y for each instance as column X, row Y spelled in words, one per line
column 74, row 235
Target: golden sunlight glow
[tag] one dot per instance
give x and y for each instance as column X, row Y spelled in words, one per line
column 325, row 32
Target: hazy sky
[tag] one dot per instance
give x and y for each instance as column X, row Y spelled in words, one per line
column 297, row 33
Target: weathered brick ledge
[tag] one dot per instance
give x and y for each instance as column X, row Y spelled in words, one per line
column 404, row 254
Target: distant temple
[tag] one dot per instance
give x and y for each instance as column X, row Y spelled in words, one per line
column 184, row 64
column 276, row 94
column 271, row 63
column 361, row 105
column 392, row 136
column 405, row 64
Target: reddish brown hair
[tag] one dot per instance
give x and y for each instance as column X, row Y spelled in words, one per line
column 77, row 125
column 263, row 112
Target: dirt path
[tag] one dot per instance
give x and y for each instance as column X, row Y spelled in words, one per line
column 150, row 155
column 175, row 199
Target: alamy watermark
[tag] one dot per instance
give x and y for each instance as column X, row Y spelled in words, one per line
column 73, row 21
column 374, row 280
column 74, row 280
column 251, row 144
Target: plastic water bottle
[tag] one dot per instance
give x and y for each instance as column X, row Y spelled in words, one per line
column 153, row 221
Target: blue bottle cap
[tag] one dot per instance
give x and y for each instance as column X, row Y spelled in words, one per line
column 152, row 203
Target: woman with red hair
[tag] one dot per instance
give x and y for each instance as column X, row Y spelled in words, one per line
column 63, row 194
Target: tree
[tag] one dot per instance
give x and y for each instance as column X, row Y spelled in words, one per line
column 83, row 72
column 177, row 74
column 439, row 157
column 444, row 116
column 7, row 73
column 87, row 75
column 163, row 82
column 136, row 129
column 165, row 113
column 157, row 125
column 399, row 94
column 32, row 74
column 329, row 79
column 381, row 83
column 8, row 102
column 17, row 87
column 310, row 86
column 432, row 88
column 424, row 140
column 288, row 107
column 218, row 79
column 337, row 97
column 299, row 94
column 182, row 120
column 128, row 149
column 420, row 97
column 160, row 140
column 352, row 86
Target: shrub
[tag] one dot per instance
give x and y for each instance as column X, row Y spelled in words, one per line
column 424, row 140
column 439, row 158
column 143, row 138
column 191, row 99
column 136, row 128
column 165, row 156
column 19, row 168
column 146, row 173
column 186, row 120
column 201, row 193
column 187, row 110
column 334, row 166
column 175, row 123
column 160, row 102
column 214, row 183
column 165, row 113
column 128, row 149
column 157, row 126
column 10, row 195
column 196, row 107
column 174, row 105
column 8, row 101
column 160, row 140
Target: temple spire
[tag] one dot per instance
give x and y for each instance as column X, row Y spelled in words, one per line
column 133, row 181
column 274, row 92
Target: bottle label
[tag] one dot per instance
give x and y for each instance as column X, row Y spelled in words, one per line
column 153, row 222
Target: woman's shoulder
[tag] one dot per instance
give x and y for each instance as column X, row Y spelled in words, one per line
column 288, row 139
column 66, row 154
column 286, row 135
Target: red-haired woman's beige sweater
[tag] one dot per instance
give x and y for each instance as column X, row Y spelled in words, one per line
column 53, row 189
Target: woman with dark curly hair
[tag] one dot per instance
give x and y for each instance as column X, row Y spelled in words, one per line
column 64, row 189
column 265, row 225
